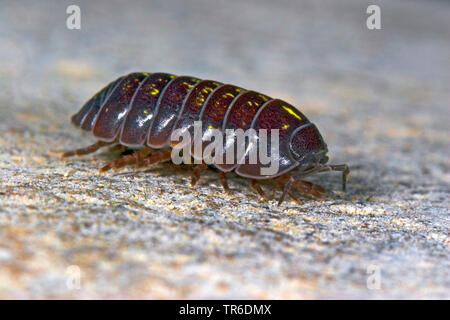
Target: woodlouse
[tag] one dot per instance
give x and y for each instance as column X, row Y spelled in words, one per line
column 140, row 110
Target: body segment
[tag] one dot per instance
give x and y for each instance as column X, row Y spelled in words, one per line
column 213, row 113
column 167, row 110
column 142, row 109
column 85, row 118
column 193, row 106
column 113, row 111
column 274, row 115
column 239, row 115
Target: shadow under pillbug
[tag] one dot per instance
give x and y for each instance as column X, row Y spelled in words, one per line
column 141, row 110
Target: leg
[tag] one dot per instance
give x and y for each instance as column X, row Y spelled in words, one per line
column 286, row 190
column 310, row 188
column 257, row 187
column 155, row 158
column 118, row 148
column 89, row 149
column 345, row 172
column 336, row 167
column 198, row 170
column 134, row 158
column 224, row 181
column 286, row 184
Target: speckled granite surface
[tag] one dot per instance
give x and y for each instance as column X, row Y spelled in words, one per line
column 380, row 98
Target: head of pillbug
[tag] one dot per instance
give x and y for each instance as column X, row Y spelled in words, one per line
column 307, row 146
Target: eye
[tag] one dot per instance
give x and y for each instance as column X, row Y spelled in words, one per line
column 324, row 159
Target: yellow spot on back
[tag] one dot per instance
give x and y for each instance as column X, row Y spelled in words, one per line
column 292, row 112
column 263, row 97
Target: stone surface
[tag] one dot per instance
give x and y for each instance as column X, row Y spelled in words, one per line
column 380, row 98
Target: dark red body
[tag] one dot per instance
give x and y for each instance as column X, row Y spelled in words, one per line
column 142, row 110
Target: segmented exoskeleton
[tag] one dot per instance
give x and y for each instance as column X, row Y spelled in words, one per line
column 141, row 110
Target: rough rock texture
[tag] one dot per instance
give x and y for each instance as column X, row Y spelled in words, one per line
column 380, row 98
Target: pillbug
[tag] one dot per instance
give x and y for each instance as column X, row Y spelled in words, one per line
column 141, row 110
